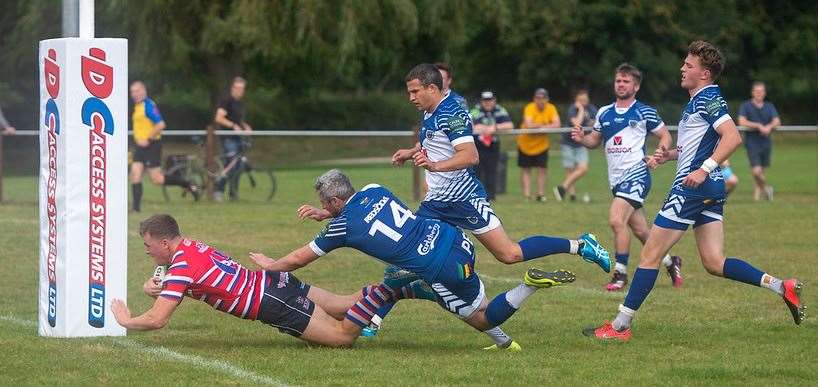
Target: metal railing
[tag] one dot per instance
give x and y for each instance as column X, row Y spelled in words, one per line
column 211, row 133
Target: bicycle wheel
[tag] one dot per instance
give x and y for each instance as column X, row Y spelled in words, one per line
column 257, row 185
column 192, row 174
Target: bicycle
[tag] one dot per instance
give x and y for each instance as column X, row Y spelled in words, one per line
column 239, row 175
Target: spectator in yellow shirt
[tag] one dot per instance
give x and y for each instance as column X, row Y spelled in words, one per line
column 148, row 125
column 533, row 148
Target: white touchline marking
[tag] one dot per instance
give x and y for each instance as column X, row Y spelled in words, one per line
column 197, row 361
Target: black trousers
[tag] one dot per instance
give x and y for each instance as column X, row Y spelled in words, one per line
column 487, row 169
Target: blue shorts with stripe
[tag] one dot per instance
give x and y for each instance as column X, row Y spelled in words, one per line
column 474, row 214
column 634, row 190
column 458, row 287
column 680, row 211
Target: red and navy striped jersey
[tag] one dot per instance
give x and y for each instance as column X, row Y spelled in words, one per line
column 202, row 272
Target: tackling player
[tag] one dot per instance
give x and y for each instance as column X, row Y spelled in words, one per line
column 278, row 299
column 375, row 222
column 624, row 126
column 707, row 137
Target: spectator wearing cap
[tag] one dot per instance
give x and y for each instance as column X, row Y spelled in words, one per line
column 533, row 148
column 488, row 118
column 574, row 155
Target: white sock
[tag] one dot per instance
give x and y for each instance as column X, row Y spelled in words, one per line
column 516, row 296
column 667, row 261
column 772, row 283
column 620, row 267
column 574, row 246
column 623, row 318
column 499, row 337
column 376, row 321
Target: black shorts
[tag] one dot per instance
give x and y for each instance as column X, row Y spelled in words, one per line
column 285, row 304
column 526, row 161
column 150, row 155
column 759, row 152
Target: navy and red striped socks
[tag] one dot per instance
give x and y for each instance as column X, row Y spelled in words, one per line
column 375, row 296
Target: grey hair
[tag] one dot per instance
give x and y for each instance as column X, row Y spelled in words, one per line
column 334, row 183
column 427, row 74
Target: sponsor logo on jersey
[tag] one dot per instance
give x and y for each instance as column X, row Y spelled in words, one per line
column 428, row 243
column 376, row 209
column 457, row 124
column 619, row 119
column 617, row 146
column 472, row 219
column 713, row 106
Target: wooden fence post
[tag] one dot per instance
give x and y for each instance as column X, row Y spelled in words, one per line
column 1, row 166
column 210, row 162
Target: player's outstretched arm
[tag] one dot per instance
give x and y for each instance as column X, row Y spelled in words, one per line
column 465, row 156
column 314, row 213
column 590, row 140
column 401, row 155
column 152, row 287
column 665, row 140
column 297, row 259
column 155, row 318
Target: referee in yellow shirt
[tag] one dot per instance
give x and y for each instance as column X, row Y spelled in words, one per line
column 147, row 133
column 533, row 148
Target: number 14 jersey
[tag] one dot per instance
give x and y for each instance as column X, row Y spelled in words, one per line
column 376, row 222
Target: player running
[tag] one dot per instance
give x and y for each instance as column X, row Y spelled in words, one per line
column 375, row 222
column 624, row 126
column 275, row 298
column 447, row 151
column 707, row 137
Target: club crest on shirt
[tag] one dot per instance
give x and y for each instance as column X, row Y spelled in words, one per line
column 633, row 123
column 430, row 134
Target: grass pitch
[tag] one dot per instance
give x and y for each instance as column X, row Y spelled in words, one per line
column 711, row 332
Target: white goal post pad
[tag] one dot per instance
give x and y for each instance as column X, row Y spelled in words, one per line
column 83, row 185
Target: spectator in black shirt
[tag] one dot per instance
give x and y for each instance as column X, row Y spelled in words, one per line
column 230, row 116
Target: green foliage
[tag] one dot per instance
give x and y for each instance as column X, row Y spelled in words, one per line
column 291, row 51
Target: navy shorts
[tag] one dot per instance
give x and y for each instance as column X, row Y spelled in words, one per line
column 634, row 191
column 475, row 214
column 678, row 212
column 458, row 287
column 285, row 304
column 759, row 152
